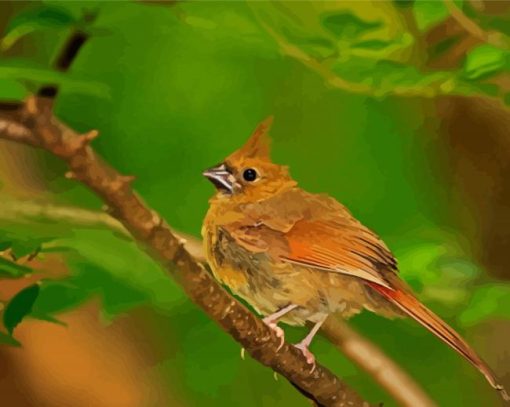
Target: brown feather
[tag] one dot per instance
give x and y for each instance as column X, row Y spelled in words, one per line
column 416, row 310
column 258, row 145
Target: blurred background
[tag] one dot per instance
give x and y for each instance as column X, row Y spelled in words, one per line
column 396, row 108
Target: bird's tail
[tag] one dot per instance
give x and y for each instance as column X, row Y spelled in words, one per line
column 416, row 310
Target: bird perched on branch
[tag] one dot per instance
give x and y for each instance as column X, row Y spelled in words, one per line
column 298, row 257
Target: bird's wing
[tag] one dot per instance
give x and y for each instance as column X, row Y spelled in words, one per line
column 323, row 235
column 314, row 231
column 340, row 245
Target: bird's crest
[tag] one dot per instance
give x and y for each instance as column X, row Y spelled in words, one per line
column 259, row 143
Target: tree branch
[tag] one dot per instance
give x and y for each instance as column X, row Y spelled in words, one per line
column 358, row 349
column 494, row 38
column 14, row 209
column 33, row 123
column 372, row 360
column 428, row 90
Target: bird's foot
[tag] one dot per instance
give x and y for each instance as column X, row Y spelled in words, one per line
column 310, row 358
column 277, row 331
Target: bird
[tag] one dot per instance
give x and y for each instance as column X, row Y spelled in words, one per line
column 298, row 257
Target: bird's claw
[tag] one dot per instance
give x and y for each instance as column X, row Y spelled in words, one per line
column 309, row 356
column 277, row 331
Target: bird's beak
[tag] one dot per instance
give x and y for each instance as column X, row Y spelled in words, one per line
column 222, row 179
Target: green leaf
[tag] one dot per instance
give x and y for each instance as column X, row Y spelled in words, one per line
column 319, row 48
column 12, row 90
column 20, row 306
column 372, row 44
column 387, row 77
column 488, row 301
column 34, row 19
column 22, row 248
column 345, row 25
column 58, row 296
column 24, row 70
column 6, row 339
column 5, row 244
column 485, row 60
column 429, row 13
column 112, row 269
column 10, row 269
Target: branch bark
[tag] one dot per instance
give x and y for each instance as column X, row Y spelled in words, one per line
column 33, row 123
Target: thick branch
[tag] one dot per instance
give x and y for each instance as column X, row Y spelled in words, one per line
column 151, row 232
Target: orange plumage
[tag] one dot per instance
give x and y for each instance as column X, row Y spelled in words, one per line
column 298, row 257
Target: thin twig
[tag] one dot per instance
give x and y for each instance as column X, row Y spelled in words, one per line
column 442, row 86
column 376, row 363
column 494, row 38
column 73, row 45
column 154, row 235
column 26, row 210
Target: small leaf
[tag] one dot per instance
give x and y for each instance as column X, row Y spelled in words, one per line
column 24, row 70
column 4, row 245
column 57, row 296
column 12, row 90
column 345, row 25
column 485, row 60
column 319, row 48
column 10, row 269
column 20, row 306
column 22, row 248
column 6, row 339
column 35, row 19
column 429, row 13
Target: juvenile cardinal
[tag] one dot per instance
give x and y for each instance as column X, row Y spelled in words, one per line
column 298, row 257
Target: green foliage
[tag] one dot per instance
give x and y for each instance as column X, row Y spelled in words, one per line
column 115, row 269
column 346, row 26
column 489, row 301
column 185, row 101
column 369, row 51
column 484, row 61
column 17, row 76
column 12, row 90
column 100, row 264
column 25, row 71
column 19, row 307
column 10, row 269
column 429, row 13
column 6, row 339
column 18, row 246
column 33, row 20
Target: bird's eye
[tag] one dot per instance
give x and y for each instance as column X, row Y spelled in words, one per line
column 250, row 174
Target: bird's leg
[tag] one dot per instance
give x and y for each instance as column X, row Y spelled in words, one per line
column 305, row 344
column 272, row 322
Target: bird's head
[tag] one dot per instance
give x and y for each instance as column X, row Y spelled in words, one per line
column 248, row 174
